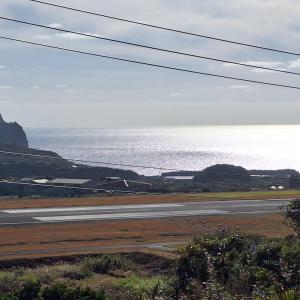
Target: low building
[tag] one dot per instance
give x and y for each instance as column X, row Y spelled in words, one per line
column 125, row 185
column 72, row 182
column 294, row 182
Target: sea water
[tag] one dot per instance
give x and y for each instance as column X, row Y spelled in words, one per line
column 183, row 148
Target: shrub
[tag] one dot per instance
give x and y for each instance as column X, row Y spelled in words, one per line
column 145, row 288
column 106, row 263
column 30, row 289
column 9, row 283
column 192, row 265
column 243, row 264
column 61, row 291
column 293, row 215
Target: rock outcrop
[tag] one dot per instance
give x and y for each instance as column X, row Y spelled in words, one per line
column 12, row 134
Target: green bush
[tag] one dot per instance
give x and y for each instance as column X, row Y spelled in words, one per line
column 9, row 283
column 106, row 263
column 143, row 288
column 192, row 265
column 61, row 291
column 243, row 264
column 30, row 289
column 293, row 215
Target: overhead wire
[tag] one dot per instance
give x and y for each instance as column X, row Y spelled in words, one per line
column 179, row 31
column 69, row 187
column 150, row 64
column 137, row 166
column 94, row 36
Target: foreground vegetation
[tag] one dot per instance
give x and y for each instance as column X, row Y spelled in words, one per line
column 212, row 267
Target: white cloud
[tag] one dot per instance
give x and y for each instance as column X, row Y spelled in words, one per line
column 56, row 25
column 5, row 87
column 264, row 64
column 36, row 87
column 65, row 35
column 61, row 86
column 294, row 63
column 229, row 65
column 178, row 94
column 239, row 87
column 2, row 67
column 42, row 36
column 70, row 36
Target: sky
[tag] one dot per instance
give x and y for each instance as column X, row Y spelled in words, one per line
column 50, row 88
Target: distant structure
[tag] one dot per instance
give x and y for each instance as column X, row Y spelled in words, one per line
column 84, row 183
column 12, row 134
column 294, row 182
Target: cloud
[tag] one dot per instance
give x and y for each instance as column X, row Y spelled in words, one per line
column 2, row 67
column 70, row 36
column 36, row 87
column 65, row 36
column 5, row 87
column 294, row 63
column 178, row 94
column 245, row 88
column 264, row 64
column 239, row 86
column 42, row 36
column 56, row 25
column 61, row 86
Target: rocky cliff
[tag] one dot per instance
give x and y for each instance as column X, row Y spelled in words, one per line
column 12, row 134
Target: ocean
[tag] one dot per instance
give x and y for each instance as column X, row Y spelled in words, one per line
column 183, row 148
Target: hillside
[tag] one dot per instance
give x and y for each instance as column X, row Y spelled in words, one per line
column 12, row 134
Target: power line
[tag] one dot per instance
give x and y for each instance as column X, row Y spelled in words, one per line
column 167, row 28
column 149, row 47
column 87, row 161
column 133, row 166
column 150, row 64
column 68, row 187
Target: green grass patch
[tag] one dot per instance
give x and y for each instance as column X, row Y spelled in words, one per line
column 247, row 195
column 144, row 287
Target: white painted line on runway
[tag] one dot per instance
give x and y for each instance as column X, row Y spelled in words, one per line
column 255, row 212
column 83, row 208
column 138, row 215
column 253, row 205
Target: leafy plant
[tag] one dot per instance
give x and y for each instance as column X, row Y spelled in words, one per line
column 293, row 215
column 106, row 263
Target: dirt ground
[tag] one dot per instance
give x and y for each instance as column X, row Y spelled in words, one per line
column 98, row 237
column 7, row 203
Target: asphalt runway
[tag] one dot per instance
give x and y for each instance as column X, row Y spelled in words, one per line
column 143, row 211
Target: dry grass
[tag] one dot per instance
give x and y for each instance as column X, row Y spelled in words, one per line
column 74, row 238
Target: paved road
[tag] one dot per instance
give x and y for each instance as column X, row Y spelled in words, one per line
column 147, row 211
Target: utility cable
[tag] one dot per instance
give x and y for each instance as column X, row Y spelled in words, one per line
column 167, row 28
column 151, row 64
column 150, row 47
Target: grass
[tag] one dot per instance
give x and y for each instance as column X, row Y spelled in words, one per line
column 144, row 199
column 106, row 264
column 248, row 195
column 143, row 287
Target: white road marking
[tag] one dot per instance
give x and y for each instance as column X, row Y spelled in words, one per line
column 253, row 205
column 255, row 212
column 138, row 215
column 83, row 208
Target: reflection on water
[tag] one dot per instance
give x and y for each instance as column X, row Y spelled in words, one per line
column 192, row 148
